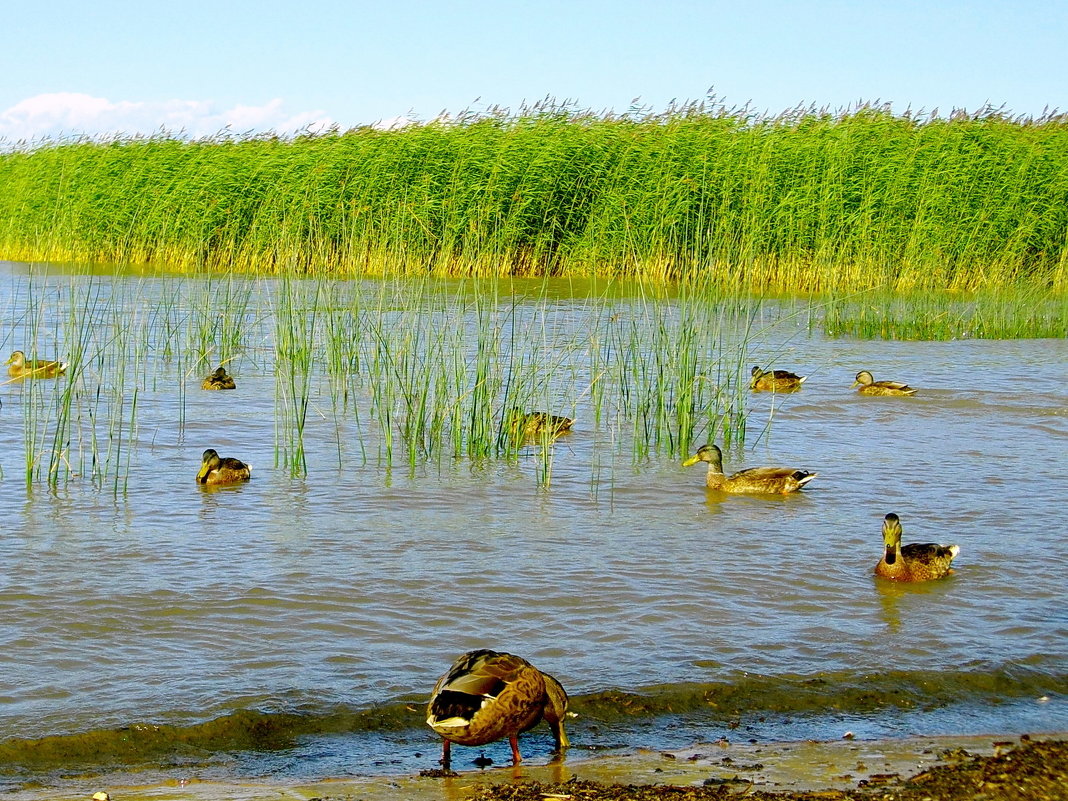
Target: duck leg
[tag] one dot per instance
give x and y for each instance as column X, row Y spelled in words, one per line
column 446, row 756
column 513, row 739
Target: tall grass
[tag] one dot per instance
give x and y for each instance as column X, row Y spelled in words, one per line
column 1010, row 312
column 296, row 314
column 83, row 422
column 402, row 372
column 808, row 200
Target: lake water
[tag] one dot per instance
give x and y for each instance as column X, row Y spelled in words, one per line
column 294, row 625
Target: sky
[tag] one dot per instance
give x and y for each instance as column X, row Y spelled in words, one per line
column 199, row 67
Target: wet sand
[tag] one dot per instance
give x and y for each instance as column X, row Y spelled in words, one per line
column 932, row 768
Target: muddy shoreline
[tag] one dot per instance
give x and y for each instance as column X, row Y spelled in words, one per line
column 1027, row 771
column 991, row 768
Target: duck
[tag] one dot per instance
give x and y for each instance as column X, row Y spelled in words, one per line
column 754, row 480
column 217, row 470
column 913, row 562
column 869, row 386
column 489, row 695
column 21, row 367
column 775, row 381
column 528, row 425
column 220, row 379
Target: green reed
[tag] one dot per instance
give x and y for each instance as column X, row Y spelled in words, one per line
column 1012, row 312
column 218, row 319
column 343, row 332
column 63, row 416
column 808, row 200
column 36, row 410
column 297, row 308
column 416, row 371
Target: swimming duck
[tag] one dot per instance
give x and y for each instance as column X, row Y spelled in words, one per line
column 487, row 695
column 217, row 470
column 220, row 379
column 528, row 425
column 775, row 381
column 21, row 367
column 913, row 562
column 869, row 386
column 754, row 480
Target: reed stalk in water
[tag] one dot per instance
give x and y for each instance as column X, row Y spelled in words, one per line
column 997, row 313
column 296, row 316
column 418, row 371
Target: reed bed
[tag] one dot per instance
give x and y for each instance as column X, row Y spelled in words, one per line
column 407, row 373
column 1011, row 312
column 805, row 201
column 414, row 372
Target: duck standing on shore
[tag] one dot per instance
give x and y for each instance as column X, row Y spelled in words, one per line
column 488, row 695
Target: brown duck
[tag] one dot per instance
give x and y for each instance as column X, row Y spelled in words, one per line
column 775, row 381
column 488, row 695
column 913, row 562
column 21, row 367
column 869, row 386
column 754, row 480
column 217, row 470
column 220, row 379
column 528, row 425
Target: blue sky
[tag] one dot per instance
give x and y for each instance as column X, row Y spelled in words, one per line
column 136, row 65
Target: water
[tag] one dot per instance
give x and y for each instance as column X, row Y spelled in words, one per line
column 294, row 626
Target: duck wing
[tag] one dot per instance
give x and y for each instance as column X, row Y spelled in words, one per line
column 898, row 385
column 482, row 673
column 487, row 695
column 929, row 553
column 772, row 474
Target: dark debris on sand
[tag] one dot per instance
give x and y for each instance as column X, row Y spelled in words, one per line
column 1033, row 771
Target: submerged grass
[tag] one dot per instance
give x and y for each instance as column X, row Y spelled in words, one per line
column 808, row 200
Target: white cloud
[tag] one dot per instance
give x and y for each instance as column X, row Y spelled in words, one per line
column 71, row 114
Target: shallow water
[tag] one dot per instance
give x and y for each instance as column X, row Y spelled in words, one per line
column 295, row 625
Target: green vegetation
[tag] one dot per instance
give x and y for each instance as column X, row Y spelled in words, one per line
column 405, row 372
column 805, row 201
column 411, row 372
column 1012, row 312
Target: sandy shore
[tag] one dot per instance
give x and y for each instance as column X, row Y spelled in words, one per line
column 836, row 769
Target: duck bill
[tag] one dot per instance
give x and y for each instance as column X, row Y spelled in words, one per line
column 854, row 384
column 202, row 475
column 691, row 461
column 891, row 554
